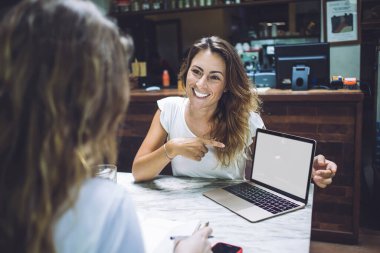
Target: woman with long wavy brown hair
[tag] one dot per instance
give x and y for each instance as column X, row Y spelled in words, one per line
column 63, row 91
column 209, row 132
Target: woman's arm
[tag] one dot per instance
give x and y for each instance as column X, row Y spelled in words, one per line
column 154, row 154
column 151, row 157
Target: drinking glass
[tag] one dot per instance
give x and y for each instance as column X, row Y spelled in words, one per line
column 107, row 171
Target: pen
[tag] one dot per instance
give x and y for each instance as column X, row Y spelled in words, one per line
column 181, row 237
column 197, row 227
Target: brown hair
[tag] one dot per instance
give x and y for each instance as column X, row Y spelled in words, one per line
column 63, row 91
column 231, row 124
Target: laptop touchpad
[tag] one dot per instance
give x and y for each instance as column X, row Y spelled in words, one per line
column 234, row 203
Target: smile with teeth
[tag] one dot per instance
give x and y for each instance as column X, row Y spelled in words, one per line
column 200, row 94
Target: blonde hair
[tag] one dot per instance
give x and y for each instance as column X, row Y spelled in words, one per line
column 231, row 118
column 63, row 91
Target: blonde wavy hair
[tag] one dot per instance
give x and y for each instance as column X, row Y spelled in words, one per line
column 231, row 125
column 63, row 91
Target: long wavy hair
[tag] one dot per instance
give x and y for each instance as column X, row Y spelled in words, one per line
column 63, row 91
column 231, row 117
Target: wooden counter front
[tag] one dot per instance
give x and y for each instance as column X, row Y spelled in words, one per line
column 333, row 118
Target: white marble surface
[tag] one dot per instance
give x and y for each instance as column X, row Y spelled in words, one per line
column 180, row 199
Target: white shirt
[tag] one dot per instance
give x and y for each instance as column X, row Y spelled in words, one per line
column 173, row 121
column 103, row 219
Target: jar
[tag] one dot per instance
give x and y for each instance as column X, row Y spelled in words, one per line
column 350, row 83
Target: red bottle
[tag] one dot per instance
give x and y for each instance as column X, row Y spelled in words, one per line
column 165, row 78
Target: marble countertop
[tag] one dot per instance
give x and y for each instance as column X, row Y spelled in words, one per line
column 180, row 199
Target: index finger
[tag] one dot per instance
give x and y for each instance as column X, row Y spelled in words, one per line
column 213, row 143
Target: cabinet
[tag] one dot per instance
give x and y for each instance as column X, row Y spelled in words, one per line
column 370, row 77
column 333, row 118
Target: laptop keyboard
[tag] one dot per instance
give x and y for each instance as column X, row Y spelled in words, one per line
column 266, row 200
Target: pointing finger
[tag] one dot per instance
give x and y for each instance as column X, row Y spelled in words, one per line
column 213, row 143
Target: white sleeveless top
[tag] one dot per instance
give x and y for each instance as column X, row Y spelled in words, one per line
column 173, row 121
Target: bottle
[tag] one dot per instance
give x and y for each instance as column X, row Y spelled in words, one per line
column 274, row 30
column 165, row 79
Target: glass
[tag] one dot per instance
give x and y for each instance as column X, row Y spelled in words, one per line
column 107, row 171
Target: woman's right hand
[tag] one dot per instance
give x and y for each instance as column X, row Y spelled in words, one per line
column 197, row 243
column 192, row 148
column 153, row 156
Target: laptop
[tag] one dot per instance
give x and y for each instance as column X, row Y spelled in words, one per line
column 279, row 181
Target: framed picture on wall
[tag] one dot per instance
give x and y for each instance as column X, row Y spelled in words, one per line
column 341, row 21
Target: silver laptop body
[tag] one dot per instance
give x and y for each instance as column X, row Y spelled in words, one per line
column 282, row 166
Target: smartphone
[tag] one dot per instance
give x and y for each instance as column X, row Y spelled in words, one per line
column 222, row 247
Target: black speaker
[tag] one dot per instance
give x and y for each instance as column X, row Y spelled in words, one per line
column 300, row 76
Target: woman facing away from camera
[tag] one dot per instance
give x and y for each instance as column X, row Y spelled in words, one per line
column 209, row 133
column 63, row 91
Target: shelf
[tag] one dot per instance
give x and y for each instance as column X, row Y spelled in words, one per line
column 284, row 37
column 370, row 25
column 202, row 8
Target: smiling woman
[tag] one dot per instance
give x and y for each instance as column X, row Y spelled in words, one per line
column 205, row 126
column 208, row 133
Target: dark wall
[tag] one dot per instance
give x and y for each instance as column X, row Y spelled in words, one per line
column 5, row 5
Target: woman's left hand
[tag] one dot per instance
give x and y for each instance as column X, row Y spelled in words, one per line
column 323, row 171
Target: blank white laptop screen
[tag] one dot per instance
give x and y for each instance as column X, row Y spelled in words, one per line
column 282, row 163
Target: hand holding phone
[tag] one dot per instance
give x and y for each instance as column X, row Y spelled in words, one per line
column 222, row 247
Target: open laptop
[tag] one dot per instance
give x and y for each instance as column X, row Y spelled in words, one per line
column 280, row 178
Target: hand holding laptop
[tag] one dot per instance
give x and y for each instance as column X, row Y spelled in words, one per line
column 323, row 171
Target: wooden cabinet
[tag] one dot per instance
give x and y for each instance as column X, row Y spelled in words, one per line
column 370, row 79
column 333, row 118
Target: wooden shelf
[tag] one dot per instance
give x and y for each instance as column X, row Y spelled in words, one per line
column 284, row 37
column 202, row 8
column 371, row 25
